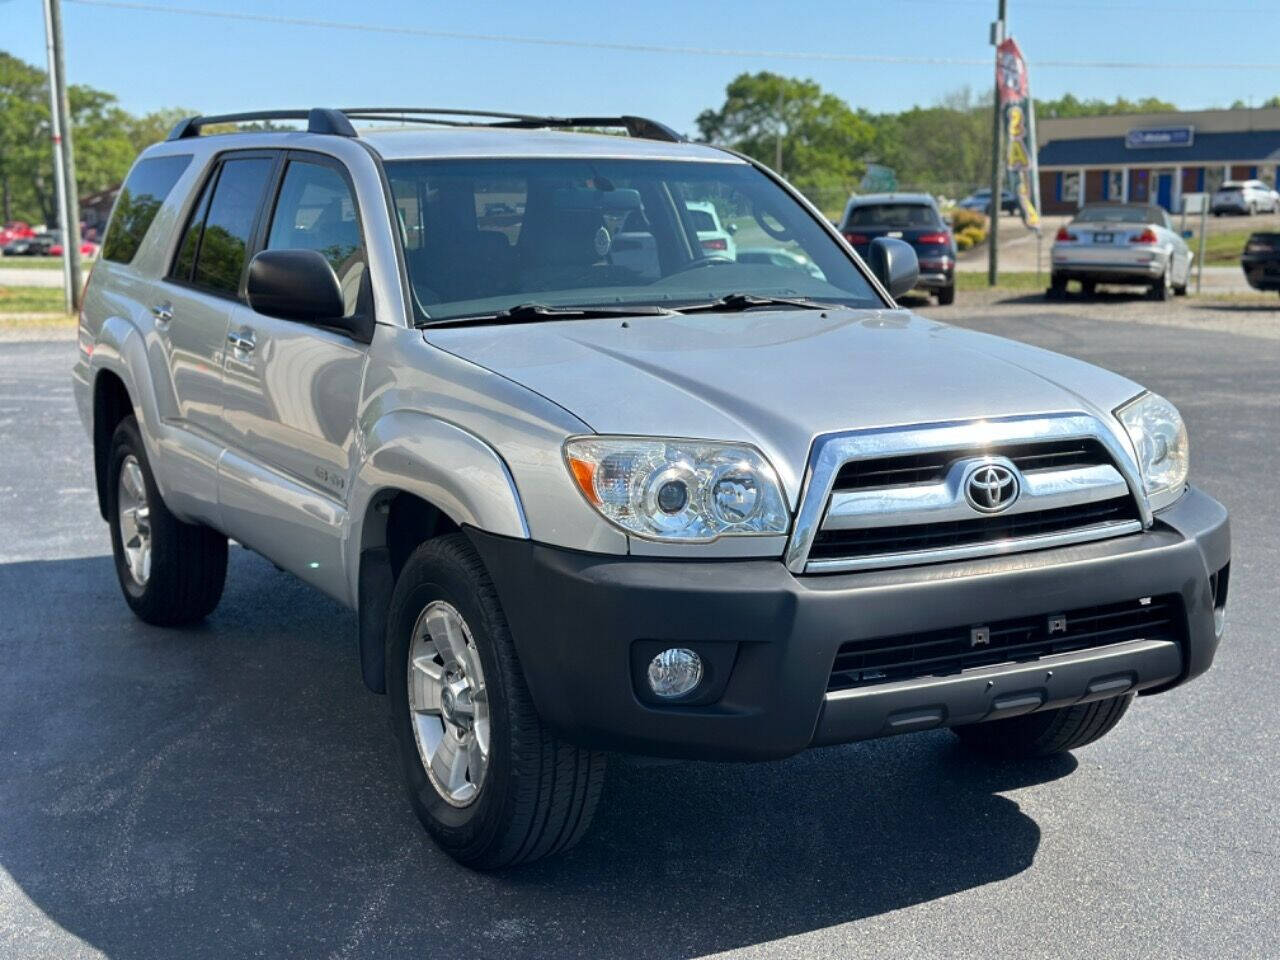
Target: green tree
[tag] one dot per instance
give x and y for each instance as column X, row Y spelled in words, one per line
column 1071, row 106
column 106, row 139
column 945, row 148
column 824, row 142
column 24, row 140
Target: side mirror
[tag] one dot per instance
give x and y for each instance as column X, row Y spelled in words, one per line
column 732, row 228
column 895, row 265
column 300, row 285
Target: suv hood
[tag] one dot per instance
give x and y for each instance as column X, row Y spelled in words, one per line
column 779, row 378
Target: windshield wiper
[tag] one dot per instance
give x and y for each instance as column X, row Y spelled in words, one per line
column 737, row 302
column 534, row 312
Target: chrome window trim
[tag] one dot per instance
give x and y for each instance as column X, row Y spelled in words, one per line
column 831, row 451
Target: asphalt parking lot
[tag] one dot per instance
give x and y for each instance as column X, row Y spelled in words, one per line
column 230, row 790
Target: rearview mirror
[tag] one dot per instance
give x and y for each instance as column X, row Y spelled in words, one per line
column 300, row 285
column 895, row 265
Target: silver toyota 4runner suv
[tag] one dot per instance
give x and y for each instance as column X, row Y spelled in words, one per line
column 593, row 485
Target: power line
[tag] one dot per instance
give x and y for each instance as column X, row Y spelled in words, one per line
column 813, row 56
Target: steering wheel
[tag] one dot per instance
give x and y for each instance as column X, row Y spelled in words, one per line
column 778, row 233
column 698, row 263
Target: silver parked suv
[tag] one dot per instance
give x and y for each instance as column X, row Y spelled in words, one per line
column 714, row 508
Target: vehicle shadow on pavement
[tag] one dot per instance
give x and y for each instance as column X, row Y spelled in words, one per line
column 230, row 790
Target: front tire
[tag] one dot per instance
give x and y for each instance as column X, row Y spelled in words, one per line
column 490, row 783
column 172, row 573
column 1045, row 733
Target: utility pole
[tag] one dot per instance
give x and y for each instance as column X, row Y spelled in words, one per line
column 64, row 166
column 997, row 157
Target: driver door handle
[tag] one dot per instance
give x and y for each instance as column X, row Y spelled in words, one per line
column 163, row 312
column 242, row 341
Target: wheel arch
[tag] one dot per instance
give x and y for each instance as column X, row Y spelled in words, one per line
column 111, row 404
column 420, row 477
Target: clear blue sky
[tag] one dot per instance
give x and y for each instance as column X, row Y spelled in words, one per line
column 152, row 59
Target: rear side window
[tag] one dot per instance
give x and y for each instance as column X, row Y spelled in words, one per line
column 140, row 200
column 216, row 241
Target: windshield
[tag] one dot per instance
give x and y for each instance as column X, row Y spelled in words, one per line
column 1120, row 213
column 893, row 215
column 481, row 236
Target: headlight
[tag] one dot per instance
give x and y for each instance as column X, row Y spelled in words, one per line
column 1160, row 440
column 685, row 490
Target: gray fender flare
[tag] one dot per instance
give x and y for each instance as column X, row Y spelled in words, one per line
column 461, row 475
column 121, row 349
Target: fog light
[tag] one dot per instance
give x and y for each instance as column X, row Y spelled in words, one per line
column 675, row 672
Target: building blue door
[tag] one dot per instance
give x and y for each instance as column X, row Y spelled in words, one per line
column 1164, row 190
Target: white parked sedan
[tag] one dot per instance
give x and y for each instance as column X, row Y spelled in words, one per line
column 1127, row 244
column 1245, row 196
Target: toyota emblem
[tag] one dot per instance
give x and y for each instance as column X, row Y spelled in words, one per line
column 991, row 487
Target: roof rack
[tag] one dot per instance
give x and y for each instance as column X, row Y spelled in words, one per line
column 338, row 122
column 319, row 120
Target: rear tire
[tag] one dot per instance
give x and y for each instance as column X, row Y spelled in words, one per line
column 946, row 295
column 1162, row 289
column 171, row 573
column 1045, row 733
column 530, row 795
column 1057, row 288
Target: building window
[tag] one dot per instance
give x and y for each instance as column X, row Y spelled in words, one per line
column 1113, row 185
column 1070, row 192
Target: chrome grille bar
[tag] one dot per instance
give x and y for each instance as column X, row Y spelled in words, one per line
column 821, row 509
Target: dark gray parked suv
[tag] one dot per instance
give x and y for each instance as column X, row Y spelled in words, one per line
column 713, row 509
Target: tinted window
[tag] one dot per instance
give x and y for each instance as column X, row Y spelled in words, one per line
column 140, row 199
column 702, row 221
column 186, row 260
column 482, row 235
column 236, row 198
column 316, row 211
column 893, row 215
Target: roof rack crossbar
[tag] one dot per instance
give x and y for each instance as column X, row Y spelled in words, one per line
column 319, row 120
column 338, row 122
column 635, row 126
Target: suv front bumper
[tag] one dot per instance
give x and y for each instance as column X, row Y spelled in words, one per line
column 585, row 625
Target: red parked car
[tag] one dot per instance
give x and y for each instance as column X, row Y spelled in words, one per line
column 15, row 230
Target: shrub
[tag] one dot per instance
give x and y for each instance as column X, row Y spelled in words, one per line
column 962, row 219
column 970, row 236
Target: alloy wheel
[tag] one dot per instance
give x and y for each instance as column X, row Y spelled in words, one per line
column 448, row 703
column 134, row 518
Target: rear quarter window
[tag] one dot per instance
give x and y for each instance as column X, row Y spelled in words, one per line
column 141, row 197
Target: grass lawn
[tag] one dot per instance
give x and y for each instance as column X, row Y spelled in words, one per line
column 31, row 300
column 1221, row 249
column 38, row 263
column 1009, row 280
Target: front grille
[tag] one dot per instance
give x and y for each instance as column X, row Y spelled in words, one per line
column 873, row 541
column 932, row 467
column 939, row 653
